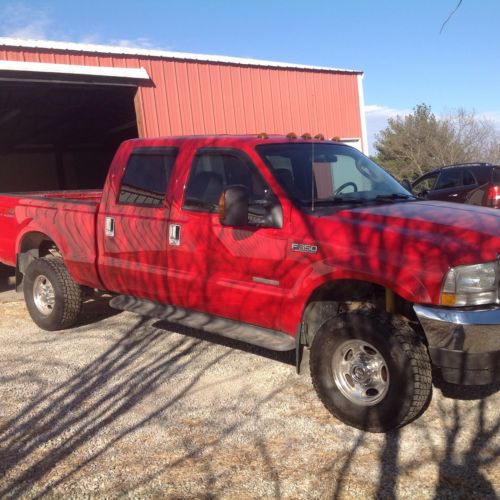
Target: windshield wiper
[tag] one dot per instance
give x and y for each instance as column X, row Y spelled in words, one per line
column 394, row 197
column 340, row 200
column 336, row 200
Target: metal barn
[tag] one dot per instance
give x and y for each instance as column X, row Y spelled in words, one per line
column 65, row 107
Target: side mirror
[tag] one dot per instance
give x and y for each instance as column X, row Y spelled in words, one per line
column 233, row 206
column 407, row 185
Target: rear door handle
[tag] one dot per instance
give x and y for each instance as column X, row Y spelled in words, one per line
column 109, row 228
column 174, row 234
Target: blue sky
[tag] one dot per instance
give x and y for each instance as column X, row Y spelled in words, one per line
column 396, row 43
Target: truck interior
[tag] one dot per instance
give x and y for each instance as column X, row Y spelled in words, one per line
column 59, row 135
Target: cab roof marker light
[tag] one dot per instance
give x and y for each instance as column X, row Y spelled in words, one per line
column 262, row 135
column 306, row 135
column 291, row 135
column 319, row 137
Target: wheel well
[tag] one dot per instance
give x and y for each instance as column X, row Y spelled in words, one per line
column 341, row 296
column 33, row 245
column 37, row 244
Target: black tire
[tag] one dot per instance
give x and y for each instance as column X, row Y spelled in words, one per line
column 402, row 379
column 62, row 309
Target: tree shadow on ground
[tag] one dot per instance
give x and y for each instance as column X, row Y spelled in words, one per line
column 82, row 406
column 459, row 468
column 460, row 474
column 48, row 431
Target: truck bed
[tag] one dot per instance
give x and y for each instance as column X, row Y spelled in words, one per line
column 91, row 196
column 71, row 215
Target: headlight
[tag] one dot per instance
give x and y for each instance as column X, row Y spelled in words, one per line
column 471, row 285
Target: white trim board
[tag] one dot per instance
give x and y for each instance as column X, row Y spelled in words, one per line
column 73, row 69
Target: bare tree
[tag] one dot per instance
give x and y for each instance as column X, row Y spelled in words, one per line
column 414, row 144
column 479, row 139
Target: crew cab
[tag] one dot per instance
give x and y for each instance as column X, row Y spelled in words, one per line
column 282, row 242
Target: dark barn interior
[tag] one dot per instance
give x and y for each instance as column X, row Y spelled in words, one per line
column 61, row 135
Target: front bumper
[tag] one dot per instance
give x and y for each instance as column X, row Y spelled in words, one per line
column 464, row 343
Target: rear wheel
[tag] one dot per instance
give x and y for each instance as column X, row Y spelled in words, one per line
column 370, row 370
column 53, row 299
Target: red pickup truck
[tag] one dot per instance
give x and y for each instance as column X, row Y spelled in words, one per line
column 282, row 242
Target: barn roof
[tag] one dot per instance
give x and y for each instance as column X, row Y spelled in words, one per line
column 155, row 53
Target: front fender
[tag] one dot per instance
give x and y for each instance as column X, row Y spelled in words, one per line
column 402, row 282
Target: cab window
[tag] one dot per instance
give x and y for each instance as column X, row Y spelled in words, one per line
column 144, row 182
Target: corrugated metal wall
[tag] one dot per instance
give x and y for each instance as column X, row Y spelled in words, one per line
column 195, row 97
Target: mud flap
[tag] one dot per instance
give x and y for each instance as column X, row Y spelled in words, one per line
column 300, row 341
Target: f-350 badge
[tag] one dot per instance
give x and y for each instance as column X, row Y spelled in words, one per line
column 300, row 247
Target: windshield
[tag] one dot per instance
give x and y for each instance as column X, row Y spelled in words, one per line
column 318, row 174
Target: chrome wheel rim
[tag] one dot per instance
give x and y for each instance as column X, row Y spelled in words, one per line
column 44, row 295
column 360, row 372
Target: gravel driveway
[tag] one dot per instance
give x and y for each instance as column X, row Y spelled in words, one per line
column 127, row 407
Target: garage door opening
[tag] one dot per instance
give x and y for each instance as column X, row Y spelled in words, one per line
column 61, row 135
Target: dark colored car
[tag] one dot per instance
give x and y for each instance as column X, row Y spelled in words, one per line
column 472, row 183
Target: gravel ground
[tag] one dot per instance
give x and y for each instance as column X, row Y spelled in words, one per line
column 127, row 407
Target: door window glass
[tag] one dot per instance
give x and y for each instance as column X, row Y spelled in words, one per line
column 449, row 179
column 425, row 185
column 496, row 176
column 212, row 172
column 469, row 179
column 145, row 180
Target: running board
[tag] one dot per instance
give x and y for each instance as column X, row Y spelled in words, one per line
column 262, row 337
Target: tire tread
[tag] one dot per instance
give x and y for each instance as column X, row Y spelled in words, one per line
column 71, row 292
column 414, row 350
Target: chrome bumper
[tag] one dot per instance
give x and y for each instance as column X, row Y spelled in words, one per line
column 464, row 343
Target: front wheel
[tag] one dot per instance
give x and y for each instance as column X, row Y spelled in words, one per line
column 370, row 370
column 53, row 299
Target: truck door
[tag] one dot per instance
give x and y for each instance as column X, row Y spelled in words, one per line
column 133, row 226
column 233, row 272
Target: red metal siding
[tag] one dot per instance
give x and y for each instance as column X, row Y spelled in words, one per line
column 193, row 97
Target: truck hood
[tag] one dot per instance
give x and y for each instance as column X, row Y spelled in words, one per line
column 466, row 233
column 407, row 246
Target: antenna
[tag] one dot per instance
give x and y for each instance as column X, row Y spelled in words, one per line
column 313, row 122
column 312, row 176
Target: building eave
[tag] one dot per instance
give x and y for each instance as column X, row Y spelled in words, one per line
column 18, row 43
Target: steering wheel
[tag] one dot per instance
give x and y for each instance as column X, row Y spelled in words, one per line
column 346, row 185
